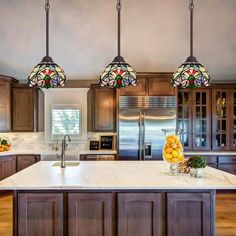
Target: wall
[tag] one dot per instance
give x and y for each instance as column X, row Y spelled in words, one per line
column 155, row 35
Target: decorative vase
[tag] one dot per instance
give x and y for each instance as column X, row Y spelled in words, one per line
column 197, row 173
column 173, row 150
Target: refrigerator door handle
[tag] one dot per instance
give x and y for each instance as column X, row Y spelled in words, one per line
column 140, row 136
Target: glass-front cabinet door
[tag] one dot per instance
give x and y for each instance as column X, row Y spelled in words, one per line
column 184, row 117
column 201, row 119
column 233, row 119
column 221, row 119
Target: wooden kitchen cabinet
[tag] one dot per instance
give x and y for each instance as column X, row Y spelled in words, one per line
column 7, row 166
column 90, row 214
column 140, row 214
column 25, row 109
column 5, row 102
column 101, row 109
column 139, row 90
column 194, row 118
column 151, row 84
column 190, row 214
column 40, row 214
column 24, row 161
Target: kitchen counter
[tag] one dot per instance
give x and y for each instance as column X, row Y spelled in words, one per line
column 54, row 152
column 210, row 153
column 96, row 195
column 113, row 175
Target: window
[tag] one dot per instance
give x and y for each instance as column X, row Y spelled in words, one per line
column 66, row 119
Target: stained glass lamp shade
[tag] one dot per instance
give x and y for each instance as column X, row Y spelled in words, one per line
column 118, row 74
column 47, row 74
column 191, row 74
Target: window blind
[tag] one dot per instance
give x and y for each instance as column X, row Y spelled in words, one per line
column 66, row 119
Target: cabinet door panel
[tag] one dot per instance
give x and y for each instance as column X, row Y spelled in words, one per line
column 90, row 214
column 140, row 214
column 232, row 119
column 23, row 109
column 193, row 211
column 230, row 168
column 104, row 110
column 201, row 119
column 139, row 90
column 5, row 106
column 185, row 117
column 161, row 87
column 220, row 119
column 40, row 214
column 7, row 166
column 24, row 161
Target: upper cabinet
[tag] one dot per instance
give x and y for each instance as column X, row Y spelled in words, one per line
column 194, row 118
column 5, row 102
column 21, row 107
column 27, row 108
column 224, row 119
column 151, row 84
column 101, row 109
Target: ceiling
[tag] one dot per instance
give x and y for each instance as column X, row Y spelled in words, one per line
column 155, row 35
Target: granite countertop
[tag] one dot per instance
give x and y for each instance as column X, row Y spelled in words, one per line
column 113, row 175
column 210, row 153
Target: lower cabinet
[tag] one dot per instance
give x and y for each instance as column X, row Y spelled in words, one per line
column 140, row 214
column 189, row 214
column 24, row 161
column 7, row 166
column 115, row 214
column 40, row 214
column 90, row 214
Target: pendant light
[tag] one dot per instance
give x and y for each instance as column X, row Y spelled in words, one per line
column 118, row 74
column 47, row 74
column 191, row 73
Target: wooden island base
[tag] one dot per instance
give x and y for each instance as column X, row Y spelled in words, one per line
column 121, row 213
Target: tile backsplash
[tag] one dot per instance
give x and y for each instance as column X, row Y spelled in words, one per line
column 36, row 141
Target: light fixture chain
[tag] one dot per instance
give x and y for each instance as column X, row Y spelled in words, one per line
column 47, row 8
column 191, row 8
column 119, row 7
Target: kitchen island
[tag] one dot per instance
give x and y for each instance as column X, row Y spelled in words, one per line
column 114, row 198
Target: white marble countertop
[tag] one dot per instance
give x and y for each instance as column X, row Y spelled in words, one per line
column 54, row 152
column 210, row 153
column 113, row 175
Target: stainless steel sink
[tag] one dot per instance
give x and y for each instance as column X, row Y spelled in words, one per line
column 68, row 163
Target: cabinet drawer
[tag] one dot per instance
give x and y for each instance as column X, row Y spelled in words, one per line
column 231, row 168
column 227, row 159
column 211, row 159
column 213, row 165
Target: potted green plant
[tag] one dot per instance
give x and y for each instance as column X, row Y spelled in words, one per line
column 196, row 165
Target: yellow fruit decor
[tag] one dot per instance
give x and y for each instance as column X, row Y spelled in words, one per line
column 173, row 149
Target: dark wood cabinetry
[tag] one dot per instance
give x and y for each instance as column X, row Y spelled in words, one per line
column 115, row 213
column 7, row 166
column 25, row 108
column 40, row 214
column 24, row 161
column 140, row 214
column 90, row 214
column 151, row 84
column 5, row 102
column 101, row 109
column 190, row 214
column 194, row 118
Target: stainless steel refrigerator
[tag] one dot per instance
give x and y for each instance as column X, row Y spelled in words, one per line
column 141, row 120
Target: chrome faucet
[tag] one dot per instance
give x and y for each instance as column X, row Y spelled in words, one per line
column 64, row 146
